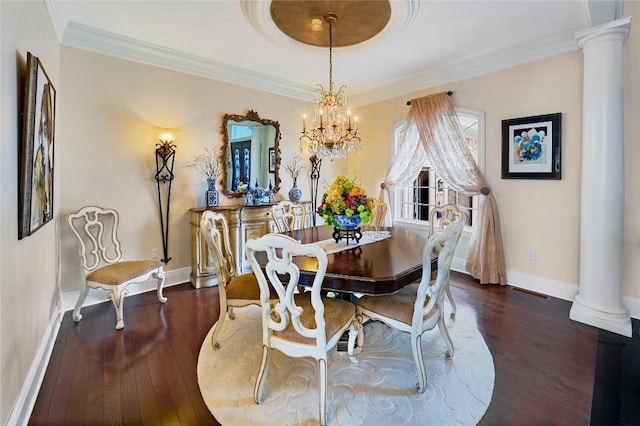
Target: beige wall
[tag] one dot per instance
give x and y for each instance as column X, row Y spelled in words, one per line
column 544, row 215
column 109, row 109
column 28, row 268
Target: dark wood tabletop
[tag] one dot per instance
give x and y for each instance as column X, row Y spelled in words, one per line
column 380, row 267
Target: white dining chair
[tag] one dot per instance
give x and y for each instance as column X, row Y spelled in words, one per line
column 298, row 325
column 289, row 215
column 97, row 231
column 416, row 308
column 235, row 290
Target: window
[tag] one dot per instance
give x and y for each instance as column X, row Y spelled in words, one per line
column 414, row 203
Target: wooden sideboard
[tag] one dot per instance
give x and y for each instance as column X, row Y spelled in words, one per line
column 245, row 223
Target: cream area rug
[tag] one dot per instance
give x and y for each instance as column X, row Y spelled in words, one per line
column 379, row 390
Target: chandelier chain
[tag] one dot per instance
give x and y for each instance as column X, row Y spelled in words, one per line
column 330, row 56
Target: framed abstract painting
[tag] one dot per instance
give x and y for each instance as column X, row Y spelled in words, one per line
column 531, row 147
column 35, row 186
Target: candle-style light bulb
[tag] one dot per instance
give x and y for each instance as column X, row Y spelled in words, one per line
column 304, row 123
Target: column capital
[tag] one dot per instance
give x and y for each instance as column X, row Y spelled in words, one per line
column 620, row 26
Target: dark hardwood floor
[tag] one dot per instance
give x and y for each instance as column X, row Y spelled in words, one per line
column 146, row 373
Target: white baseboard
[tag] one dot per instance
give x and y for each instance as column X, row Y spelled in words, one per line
column 177, row 276
column 546, row 286
column 31, row 386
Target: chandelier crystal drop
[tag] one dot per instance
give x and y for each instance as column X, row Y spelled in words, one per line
column 333, row 133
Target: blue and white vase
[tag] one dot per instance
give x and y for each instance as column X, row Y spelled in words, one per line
column 212, row 193
column 346, row 222
column 295, row 193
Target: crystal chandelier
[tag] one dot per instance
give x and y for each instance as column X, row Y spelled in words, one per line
column 332, row 134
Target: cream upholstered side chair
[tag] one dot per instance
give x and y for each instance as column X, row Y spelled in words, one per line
column 440, row 219
column 417, row 308
column 298, row 325
column 289, row 215
column 97, row 230
column 235, row 290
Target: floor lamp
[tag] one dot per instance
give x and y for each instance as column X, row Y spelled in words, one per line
column 316, row 162
column 165, row 157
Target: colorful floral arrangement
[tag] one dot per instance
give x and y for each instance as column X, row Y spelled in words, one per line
column 344, row 197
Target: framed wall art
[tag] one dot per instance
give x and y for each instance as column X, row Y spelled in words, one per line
column 35, row 186
column 531, row 147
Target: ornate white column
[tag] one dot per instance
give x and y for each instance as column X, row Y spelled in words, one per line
column 599, row 300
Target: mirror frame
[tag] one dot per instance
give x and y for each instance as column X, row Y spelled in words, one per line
column 224, row 152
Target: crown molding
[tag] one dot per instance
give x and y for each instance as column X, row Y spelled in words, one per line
column 57, row 17
column 472, row 66
column 104, row 42
column 108, row 43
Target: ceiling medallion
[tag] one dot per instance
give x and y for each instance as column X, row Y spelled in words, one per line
column 400, row 15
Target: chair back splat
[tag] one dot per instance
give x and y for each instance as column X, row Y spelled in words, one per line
column 289, row 216
column 298, row 325
column 97, row 231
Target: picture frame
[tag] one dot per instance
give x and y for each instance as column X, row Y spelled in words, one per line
column 272, row 160
column 36, row 150
column 531, row 147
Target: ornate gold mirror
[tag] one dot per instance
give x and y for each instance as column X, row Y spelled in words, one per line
column 250, row 153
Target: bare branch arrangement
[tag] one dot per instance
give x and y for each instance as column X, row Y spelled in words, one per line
column 294, row 166
column 207, row 163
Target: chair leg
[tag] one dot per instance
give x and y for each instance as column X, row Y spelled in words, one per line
column 117, row 298
column 417, row 357
column 323, row 392
column 356, row 339
column 161, row 277
column 258, row 393
column 216, row 332
column 453, row 304
column 84, row 291
column 445, row 335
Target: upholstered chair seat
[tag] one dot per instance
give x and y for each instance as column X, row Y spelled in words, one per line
column 337, row 316
column 121, row 272
column 398, row 306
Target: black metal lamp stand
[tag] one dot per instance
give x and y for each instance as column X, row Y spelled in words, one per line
column 315, row 177
column 165, row 157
